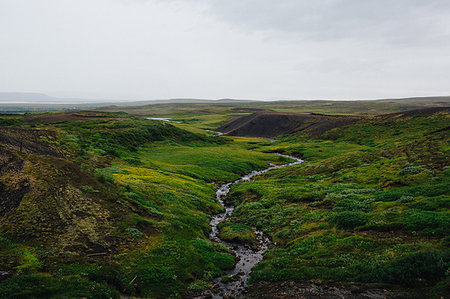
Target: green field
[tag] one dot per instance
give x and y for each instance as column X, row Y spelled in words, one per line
column 97, row 204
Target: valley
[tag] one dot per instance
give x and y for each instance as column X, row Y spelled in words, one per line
column 107, row 203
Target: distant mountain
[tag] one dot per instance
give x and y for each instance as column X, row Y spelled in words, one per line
column 439, row 99
column 26, row 97
column 29, row 101
column 40, row 98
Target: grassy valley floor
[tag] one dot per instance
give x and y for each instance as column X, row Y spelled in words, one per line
column 97, row 204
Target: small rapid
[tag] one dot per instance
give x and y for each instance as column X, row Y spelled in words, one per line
column 248, row 256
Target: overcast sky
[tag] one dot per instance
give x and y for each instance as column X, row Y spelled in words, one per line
column 253, row 49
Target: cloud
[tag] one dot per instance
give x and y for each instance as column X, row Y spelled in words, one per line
column 144, row 49
column 399, row 21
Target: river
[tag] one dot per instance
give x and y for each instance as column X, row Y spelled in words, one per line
column 248, row 256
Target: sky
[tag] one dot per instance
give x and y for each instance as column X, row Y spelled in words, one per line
column 212, row 49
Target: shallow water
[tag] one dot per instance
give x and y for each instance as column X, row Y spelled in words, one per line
column 167, row 119
column 248, row 255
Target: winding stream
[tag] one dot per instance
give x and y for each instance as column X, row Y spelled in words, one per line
column 248, row 256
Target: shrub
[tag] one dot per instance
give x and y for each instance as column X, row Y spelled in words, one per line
column 394, row 194
column 433, row 204
column 429, row 223
column 348, row 219
column 383, row 227
column 88, row 189
column 406, row 198
column 133, row 161
column 411, row 170
column 353, row 205
column 416, row 268
column 134, row 232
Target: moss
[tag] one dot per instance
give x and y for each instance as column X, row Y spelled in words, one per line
column 237, row 232
column 39, row 285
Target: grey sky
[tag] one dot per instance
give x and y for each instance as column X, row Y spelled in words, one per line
column 259, row 49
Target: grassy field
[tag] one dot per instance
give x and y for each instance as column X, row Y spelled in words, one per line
column 96, row 204
column 370, row 204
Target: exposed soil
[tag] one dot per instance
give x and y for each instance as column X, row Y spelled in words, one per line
column 272, row 124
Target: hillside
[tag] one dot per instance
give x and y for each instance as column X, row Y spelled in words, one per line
column 369, row 205
column 92, row 201
column 269, row 124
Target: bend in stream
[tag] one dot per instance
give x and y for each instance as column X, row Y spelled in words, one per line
column 248, row 256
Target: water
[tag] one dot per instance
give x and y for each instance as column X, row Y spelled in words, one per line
column 167, row 119
column 248, row 255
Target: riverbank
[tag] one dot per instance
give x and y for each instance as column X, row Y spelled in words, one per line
column 234, row 283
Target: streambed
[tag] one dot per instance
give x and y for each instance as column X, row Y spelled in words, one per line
column 248, row 256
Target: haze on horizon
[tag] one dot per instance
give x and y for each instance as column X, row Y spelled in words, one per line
column 248, row 49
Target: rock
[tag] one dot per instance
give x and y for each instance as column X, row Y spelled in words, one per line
column 354, row 289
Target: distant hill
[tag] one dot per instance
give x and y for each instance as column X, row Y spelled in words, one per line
column 440, row 99
column 26, row 97
column 270, row 124
column 28, row 102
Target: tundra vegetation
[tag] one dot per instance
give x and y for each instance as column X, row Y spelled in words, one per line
column 97, row 204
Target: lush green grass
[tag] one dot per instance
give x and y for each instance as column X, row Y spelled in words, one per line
column 236, row 232
column 207, row 163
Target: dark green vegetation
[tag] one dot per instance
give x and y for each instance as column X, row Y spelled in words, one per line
column 95, row 204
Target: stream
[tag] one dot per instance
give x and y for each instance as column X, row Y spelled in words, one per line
column 248, row 256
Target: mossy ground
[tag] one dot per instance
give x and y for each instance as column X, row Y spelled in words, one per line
column 237, row 232
column 370, row 204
